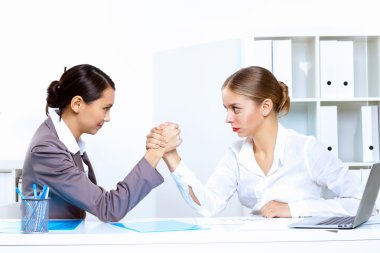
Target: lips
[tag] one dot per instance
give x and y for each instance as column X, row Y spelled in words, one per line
column 235, row 129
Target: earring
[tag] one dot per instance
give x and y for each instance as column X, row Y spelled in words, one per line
column 264, row 114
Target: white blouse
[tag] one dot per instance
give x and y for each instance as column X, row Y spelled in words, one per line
column 301, row 168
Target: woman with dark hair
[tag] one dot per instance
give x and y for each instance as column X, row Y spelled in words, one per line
column 80, row 103
column 275, row 171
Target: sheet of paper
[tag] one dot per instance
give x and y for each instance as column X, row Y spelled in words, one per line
column 158, row 226
column 63, row 224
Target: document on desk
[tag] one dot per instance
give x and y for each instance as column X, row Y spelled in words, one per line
column 157, row 226
column 63, row 224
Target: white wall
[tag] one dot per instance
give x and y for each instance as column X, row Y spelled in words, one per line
column 40, row 37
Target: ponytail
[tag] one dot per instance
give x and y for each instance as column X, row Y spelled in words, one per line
column 284, row 104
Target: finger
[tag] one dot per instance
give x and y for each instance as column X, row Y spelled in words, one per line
column 174, row 125
column 151, row 146
column 156, row 136
column 159, row 137
column 163, row 125
column 154, row 141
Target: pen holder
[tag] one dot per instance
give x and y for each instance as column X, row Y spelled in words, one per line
column 34, row 215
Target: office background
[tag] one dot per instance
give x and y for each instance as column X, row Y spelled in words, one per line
column 142, row 45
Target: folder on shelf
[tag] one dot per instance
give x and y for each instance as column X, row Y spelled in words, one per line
column 282, row 62
column 257, row 53
column 370, row 133
column 328, row 68
column 329, row 128
column 345, row 69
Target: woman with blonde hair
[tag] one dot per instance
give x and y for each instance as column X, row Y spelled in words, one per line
column 275, row 171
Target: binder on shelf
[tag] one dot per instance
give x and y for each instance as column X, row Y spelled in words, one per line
column 257, row 53
column 282, row 62
column 370, row 133
column 345, row 69
column 328, row 68
column 329, row 128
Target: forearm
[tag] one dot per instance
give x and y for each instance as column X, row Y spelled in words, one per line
column 172, row 159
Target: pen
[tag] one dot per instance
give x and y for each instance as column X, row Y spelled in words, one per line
column 47, row 192
column 35, row 190
column 19, row 193
column 23, row 198
column 44, row 192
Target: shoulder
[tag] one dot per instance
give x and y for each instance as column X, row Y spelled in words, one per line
column 293, row 137
column 46, row 152
column 45, row 138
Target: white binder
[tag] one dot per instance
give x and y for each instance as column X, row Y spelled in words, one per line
column 329, row 128
column 345, row 69
column 282, row 62
column 328, row 68
column 370, row 133
column 257, row 53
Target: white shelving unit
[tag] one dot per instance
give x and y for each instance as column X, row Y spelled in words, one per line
column 10, row 172
column 306, row 83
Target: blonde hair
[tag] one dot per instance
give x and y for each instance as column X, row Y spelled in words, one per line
column 258, row 84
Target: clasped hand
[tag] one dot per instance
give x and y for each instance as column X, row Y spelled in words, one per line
column 166, row 136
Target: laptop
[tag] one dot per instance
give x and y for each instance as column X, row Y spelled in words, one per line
column 367, row 203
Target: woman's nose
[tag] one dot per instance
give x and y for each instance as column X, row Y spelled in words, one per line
column 228, row 118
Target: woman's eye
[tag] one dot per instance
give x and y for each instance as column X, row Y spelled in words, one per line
column 235, row 109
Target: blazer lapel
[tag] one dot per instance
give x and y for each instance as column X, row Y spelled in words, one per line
column 78, row 161
column 91, row 174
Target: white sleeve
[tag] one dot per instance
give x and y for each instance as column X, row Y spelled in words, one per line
column 213, row 196
column 327, row 170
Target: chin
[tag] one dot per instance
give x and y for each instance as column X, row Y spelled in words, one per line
column 93, row 132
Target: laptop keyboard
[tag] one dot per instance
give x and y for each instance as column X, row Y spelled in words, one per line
column 338, row 220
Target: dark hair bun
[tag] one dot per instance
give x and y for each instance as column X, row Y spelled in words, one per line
column 52, row 94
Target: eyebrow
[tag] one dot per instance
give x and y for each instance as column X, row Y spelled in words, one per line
column 233, row 104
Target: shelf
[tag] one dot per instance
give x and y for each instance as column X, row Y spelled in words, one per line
column 9, row 165
column 350, row 86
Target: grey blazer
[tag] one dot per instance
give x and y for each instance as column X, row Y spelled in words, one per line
column 48, row 162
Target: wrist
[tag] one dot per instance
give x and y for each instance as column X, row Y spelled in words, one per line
column 172, row 159
column 153, row 156
column 170, row 154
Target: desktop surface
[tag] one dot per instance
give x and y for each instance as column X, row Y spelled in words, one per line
column 225, row 234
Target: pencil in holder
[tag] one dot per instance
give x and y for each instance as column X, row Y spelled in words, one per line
column 34, row 215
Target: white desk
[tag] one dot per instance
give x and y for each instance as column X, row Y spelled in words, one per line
column 250, row 236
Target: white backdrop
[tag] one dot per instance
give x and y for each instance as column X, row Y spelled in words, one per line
column 126, row 39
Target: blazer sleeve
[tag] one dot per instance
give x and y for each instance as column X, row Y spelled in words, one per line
column 54, row 166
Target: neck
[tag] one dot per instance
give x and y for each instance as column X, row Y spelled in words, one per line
column 71, row 124
column 264, row 140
